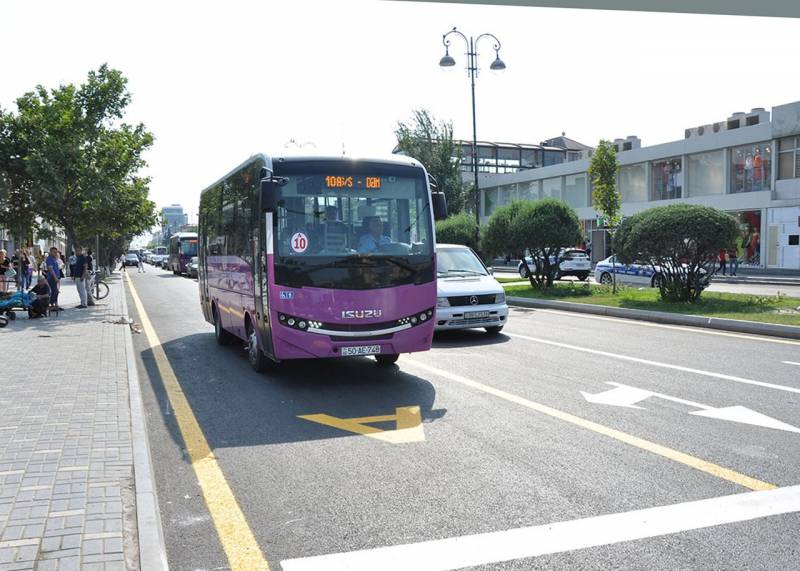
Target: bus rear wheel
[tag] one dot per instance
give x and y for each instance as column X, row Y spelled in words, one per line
column 222, row 336
column 386, row 360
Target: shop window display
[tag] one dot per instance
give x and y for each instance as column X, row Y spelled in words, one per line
column 748, row 244
column 751, row 168
column 667, row 179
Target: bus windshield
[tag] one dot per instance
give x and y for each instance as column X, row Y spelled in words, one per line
column 188, row 246
column 353, row 230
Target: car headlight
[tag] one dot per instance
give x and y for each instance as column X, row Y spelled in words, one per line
column 442, row 302
column 500, row 297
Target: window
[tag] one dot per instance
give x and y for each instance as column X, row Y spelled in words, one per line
column 789, row 158
column 751, row 167
column 489, row 201
column 210, row 224
column 632, row 183
column 529, row 190
column 575, row 190
column 667, row 177
column 748, row 244
column 551, row 188
column 706, row 173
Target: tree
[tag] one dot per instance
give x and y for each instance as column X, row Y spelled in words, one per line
column 544, row 228
column 431, row 143
column 80, row 160
column 606, row 199
column 497, row 239
column 457, row 229
column 681, row 242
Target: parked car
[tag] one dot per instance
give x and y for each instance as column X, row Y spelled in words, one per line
column 131, row 259
column 468, row 295
column 573, row 262
column 191, row 268
column 630, row 274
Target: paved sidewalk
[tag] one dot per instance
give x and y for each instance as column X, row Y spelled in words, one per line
column 67, row 497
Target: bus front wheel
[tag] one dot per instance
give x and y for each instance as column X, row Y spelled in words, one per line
column 386, row 360
column 260, row 362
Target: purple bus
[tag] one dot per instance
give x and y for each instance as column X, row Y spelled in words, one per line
column 182, row 248
column 314, row 257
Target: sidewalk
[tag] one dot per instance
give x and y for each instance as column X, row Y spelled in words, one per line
column 67, row 494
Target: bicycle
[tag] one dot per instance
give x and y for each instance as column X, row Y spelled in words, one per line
column 97, row 286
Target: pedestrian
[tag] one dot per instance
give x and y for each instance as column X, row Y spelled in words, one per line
column 722, row 255
column 5, row 268
column 89, row 277
column 72, row 258
column 140, row 264
column 53, row 274
column 78, row 276
column 733, row 261
column 25, row 267
column 40, row 294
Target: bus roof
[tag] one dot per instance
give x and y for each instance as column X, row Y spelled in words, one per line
column 184, row 235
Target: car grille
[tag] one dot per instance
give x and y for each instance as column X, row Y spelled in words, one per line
column 460, row 300
column 471, row 321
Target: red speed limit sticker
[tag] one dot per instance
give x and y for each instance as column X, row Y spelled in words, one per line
column 299, row 242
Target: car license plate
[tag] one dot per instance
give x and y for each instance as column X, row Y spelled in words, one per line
column 363, row 350
column 475, row 314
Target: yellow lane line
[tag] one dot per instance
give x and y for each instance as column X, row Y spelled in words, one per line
column 234, row 533
column 672, row 454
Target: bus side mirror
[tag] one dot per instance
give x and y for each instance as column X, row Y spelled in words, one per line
column 439, row 205
column 269, row 195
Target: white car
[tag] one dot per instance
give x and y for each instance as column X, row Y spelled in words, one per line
column 630, row 274
column 468, row 295
column 573, row 263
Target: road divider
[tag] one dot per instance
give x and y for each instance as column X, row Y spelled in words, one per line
column 495, row 547
column 658, row 449
column 237, row 538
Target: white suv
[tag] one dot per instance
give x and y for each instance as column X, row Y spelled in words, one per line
column 468, row 296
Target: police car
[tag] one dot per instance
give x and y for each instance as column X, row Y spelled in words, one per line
column 631, row 274
column 573, row 263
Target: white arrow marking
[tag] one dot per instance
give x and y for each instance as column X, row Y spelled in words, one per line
column 791, row 363
column 745, row 416
column 627, row 396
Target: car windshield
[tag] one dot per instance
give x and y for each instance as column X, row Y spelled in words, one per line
column 458, row 261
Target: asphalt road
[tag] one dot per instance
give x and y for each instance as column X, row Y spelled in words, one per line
column 507, row 441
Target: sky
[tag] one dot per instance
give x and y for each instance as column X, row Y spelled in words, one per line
column 218, row 82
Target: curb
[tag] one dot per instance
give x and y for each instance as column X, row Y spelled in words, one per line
column 152, row 548
column 739, row 326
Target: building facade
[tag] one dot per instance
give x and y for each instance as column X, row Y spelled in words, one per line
column 747, row 165
column 172, row 218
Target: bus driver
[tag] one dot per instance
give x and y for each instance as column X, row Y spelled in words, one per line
column 374, row 238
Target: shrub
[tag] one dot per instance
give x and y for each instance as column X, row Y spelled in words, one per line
column 544, row 228
column 497, row 239
column 458, row 229
column 681, row 242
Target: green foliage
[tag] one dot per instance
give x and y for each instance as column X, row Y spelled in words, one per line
column 80, row 160
column 603, row 174
column 544, row 228
column 497, row 236
column 458, row 229
column 683, row 240
column 431, row 143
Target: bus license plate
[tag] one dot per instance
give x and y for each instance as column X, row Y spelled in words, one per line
column 364, row 350
column 475, row 314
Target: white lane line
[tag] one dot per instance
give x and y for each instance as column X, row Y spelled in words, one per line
column 494, row 547
column 625, row 321
column 657, row 364
column 791, row 363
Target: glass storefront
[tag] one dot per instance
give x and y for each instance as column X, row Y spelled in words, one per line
column 633, row 183
column 551, row 188
column 667, row 177
column 529, row 190
column 706, row 173
column 575, row 190
column 748, row 244
column 751, row 168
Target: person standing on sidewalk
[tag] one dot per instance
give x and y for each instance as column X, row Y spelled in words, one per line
column 79, row 277
column 140, row 264
column 722, row 255
column 5, row 266
column 53, row 275
column 733, row 261
column 88, row 277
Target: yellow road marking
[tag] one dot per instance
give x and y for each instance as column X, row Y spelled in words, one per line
column 672, row 454
column 408, row 423
column 234, row 533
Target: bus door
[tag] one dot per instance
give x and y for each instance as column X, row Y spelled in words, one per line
column 261, row 282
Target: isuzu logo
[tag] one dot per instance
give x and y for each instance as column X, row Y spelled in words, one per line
column 361, row 313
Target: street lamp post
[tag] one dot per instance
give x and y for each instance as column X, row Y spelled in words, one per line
column 472, row 70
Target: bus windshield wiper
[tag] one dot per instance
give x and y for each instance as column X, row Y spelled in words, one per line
column 470, row 272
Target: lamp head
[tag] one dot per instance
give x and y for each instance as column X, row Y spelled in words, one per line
column 497, row 64
column 446, row 60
